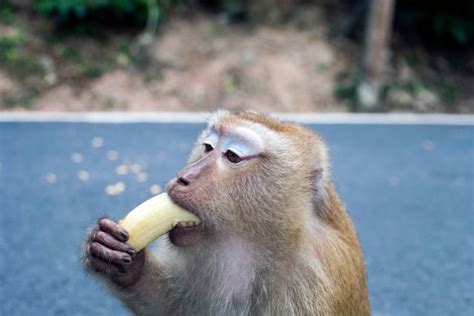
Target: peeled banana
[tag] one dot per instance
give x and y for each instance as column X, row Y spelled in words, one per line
column 153, row 218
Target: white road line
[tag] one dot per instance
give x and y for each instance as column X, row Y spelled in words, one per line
column 200, row 117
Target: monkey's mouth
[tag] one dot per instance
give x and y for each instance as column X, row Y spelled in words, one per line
column 185, row 234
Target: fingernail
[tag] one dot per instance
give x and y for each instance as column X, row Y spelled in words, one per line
column 131, row 252
column 124, row 236
column 126, row 259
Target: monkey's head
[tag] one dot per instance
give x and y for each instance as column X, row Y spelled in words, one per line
column 251, row 175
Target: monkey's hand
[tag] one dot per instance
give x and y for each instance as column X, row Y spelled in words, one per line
column 106, row 253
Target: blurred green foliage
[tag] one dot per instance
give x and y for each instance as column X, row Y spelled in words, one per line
column 345, row 89
column 438, row 23
column 14, row 58
column 20, row 65
column 232, row 7
column 102, row 9
column 137, row 9
column 6, row 13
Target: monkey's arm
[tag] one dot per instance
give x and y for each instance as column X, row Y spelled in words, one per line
column 147, row 295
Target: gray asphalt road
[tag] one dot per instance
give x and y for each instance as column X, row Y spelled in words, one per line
column 409, row 190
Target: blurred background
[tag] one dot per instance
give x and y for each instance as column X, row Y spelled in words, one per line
column 280, row 55
column 408, row 187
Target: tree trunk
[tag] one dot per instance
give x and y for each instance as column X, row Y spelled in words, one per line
column 376, row 51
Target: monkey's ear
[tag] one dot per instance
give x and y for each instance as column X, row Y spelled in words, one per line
column 320, row 168
column 318, row 178
column 316, row 175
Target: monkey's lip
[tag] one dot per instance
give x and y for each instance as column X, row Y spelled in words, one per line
column 183, row 236
column 178, row 200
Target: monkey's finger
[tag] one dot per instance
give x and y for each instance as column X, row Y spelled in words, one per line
column 108, row 255
column 99, row 265
column 112, row 243
column 114, row 229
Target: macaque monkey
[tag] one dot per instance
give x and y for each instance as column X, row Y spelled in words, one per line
column 274, row 238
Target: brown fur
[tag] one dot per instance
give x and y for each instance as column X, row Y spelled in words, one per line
column 277, row 240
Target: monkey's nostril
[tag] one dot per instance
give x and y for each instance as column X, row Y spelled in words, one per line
column 183, row 181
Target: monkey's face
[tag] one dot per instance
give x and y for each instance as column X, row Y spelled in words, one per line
column 237, row 180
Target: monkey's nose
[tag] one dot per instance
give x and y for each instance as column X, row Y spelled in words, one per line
column 183, row 181
column 191, row 173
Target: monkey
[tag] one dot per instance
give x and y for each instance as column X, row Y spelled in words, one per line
column 274, row 237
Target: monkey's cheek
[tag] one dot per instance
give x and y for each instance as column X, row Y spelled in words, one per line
column 185, row 236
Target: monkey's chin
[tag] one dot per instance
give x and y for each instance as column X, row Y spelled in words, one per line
column 185, row 236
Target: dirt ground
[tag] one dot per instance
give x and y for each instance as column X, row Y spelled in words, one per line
column 207, row 64
column 197, row 62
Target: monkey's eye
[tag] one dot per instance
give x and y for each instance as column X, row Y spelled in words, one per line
column 207, row 148
column 232, row 157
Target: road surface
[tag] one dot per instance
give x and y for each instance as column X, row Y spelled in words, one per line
column 408, row 188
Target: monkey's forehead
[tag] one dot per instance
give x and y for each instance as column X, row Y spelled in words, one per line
column 229, row 118
column 268, row 121
column 227, row 124
column 224, row 121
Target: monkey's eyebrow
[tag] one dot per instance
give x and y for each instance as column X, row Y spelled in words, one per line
column 243, row 134
column 217, row 129
column 212, row 139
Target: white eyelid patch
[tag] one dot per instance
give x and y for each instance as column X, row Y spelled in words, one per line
column 241, row 149
column 243, row 141
column 212, row 139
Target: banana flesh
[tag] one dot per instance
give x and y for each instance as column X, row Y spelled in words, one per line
column 153, row 218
